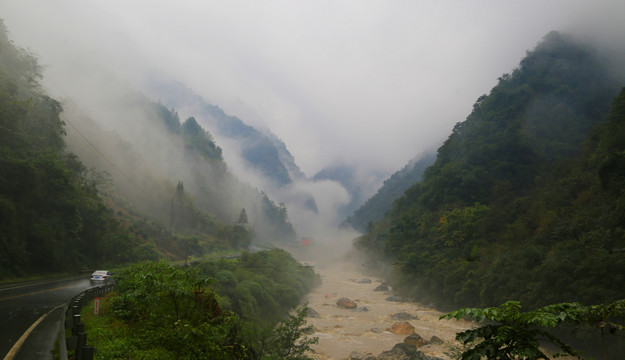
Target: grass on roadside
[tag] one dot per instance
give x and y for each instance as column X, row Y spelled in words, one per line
column 109, row 336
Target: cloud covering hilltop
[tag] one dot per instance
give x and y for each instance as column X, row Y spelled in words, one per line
column 367, row 83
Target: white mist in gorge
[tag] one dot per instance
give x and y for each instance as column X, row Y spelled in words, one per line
column 370, row 84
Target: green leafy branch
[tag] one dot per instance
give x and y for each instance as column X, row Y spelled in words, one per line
column 509, row 333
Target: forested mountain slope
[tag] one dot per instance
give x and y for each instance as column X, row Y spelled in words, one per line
column 524, row 201
column 263, row 152
column 148, row 185
column 392, row 189
column 148, row 171
column 51, row 215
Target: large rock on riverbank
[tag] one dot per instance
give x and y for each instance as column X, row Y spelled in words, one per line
column 402, row 328
column 355, row 355
column 346, row 303
column 403, row 316
column 403, row 351
column 382, row 287
column 400, row 351
column 313, row 314
column 416, row 340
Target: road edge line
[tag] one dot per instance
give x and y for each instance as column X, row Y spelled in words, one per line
column 18, row 344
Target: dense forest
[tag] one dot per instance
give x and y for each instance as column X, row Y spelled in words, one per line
column 75, row 196
column 375, row 208
column 525, row 199
column 52, row 217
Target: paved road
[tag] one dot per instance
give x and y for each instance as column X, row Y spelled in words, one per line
column 22, row 305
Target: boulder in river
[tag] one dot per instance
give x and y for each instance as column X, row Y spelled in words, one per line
column 355, row 355
column 346, row 303
column 416, row 340
column 396, row 299
column 312, row 313
column 402, row 328
column 382, row 287
column 435, row 340
column 403, row 316
column 365, row 281
column 403, row 351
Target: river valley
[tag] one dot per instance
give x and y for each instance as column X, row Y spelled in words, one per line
column 364, row 329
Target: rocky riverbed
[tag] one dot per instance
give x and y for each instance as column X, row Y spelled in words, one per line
column 356, row 318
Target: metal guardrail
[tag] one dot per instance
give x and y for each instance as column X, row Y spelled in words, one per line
column 70, row 319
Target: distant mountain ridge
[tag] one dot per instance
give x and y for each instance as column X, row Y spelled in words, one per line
column 176, row 151
column 264, row 152
column 376, row 207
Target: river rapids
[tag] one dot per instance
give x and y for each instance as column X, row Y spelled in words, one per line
column 365, row 328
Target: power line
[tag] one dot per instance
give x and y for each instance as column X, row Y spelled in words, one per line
column 103, row 156
column 95, row 148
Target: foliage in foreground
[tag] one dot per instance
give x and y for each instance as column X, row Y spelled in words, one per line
column 163, row 311
column 288, row 339
column 515, row 335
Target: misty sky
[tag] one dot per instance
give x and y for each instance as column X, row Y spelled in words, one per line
column 369, row 83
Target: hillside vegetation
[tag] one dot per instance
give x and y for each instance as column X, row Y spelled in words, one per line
column 375, row 208
column 261, row 151
column 525, row 199
column 74, row 196
column 226, row 309
column 51, row 215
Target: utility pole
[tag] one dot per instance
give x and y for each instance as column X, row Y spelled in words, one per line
column 171, row 220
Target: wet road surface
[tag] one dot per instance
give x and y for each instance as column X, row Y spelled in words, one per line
column 21, row 305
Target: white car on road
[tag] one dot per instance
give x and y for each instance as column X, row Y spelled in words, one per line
column 102, row 275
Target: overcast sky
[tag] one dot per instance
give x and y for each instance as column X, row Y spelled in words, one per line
column 370, row 83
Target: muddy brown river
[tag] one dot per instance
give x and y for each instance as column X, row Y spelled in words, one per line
column 364, row 329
